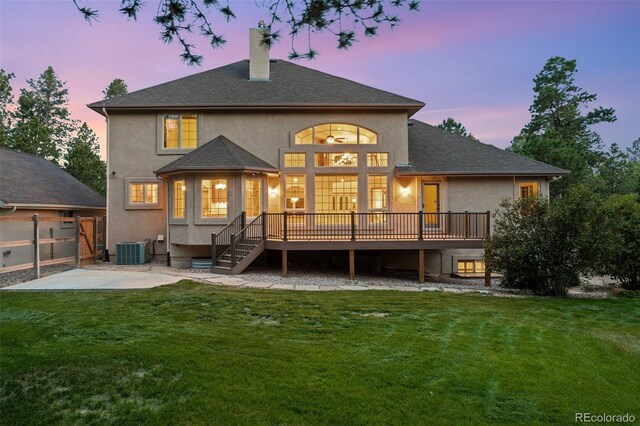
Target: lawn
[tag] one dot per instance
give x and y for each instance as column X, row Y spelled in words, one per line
column 194, row 353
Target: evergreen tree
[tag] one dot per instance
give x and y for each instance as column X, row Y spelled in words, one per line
column 43, row 121
column 83, row 162
column 6, row 107
column 116, row 88
column 456, row 127
column 178, row 19
column 559, row 131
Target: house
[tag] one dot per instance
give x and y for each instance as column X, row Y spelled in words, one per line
column 265, row 154
column 33, row 185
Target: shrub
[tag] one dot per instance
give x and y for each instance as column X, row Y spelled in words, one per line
column 545, row 248
column 622, row 254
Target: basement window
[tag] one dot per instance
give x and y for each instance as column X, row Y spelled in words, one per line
column 470, row 266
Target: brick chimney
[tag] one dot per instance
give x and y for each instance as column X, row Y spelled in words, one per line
column 258, row 54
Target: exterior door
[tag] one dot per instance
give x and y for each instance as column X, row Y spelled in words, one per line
column 253, row 197
column 431, row 204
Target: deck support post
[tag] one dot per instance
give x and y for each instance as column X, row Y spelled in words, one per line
column 487, row 234
column 352, row 265
column 284, row 263
column 421, row 265
column 36, row 245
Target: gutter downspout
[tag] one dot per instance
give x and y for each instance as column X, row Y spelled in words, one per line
column 106, row 234
column 167, row 188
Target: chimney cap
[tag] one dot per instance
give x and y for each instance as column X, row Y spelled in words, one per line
column 262, row 25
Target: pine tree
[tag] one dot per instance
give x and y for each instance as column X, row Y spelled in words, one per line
column 6, row 107
column 456, row 127
column 43, row 121
column 83, row 162
column 559, row 132
column 116, row 88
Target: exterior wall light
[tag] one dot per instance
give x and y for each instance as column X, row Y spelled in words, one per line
column 404, row 191
column 273, row 191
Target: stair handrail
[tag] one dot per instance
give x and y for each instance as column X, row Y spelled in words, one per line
column 239, row 221
column 239, row 236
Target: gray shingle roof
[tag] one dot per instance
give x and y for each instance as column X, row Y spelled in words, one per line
column 436, row 151
column 27, row 179
column 219, row 154
column 229, row 86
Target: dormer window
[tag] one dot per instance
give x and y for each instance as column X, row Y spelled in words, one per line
column 180, row 131
column 336, row 134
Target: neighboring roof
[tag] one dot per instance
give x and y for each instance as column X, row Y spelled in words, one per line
column 290, row 85
column 436, row 151
column 220, row 154
column 26, row 179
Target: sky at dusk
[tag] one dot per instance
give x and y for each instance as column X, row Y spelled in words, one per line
column 470, row 60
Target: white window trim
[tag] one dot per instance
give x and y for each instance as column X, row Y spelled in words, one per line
column 160, row 148
column 187, row 196
column 143, row 206
column 199, row 219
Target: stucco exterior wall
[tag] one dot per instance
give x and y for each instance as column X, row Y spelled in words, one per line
column 135, row 151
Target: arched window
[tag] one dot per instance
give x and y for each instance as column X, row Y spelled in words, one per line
column 336, row 134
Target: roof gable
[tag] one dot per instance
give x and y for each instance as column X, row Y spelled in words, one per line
column 436, row 151
column 31, row 180
column 217, row 154
column 229, row 86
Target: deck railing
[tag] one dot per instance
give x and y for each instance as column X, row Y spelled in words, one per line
column 221, row 241
column 381, row 225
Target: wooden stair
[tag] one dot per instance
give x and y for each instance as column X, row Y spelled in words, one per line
column 245, row 246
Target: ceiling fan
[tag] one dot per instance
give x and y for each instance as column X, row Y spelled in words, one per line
column 333, row 139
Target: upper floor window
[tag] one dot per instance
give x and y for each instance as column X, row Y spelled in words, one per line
column 528, row 189
column 294, row 160
column 377, row 159
column 336, row 133
column 180, row 131
column 337, row 159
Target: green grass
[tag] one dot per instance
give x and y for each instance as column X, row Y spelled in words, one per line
column 192, row 353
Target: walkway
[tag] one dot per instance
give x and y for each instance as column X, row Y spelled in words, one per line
column 112, row 277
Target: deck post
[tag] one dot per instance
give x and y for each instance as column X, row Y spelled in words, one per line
column 353, row 226
column 78, row 246
column 487, row 233
column 284, row 263
column 233, row 251
column 352, row 265
column 421, row 265
column 264, row 225
column 243, row 220
column 284, row 226
column 466, row 224
column 36, row 245
column 421, row 225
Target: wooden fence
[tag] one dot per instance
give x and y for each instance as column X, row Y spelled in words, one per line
column 88, row 240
